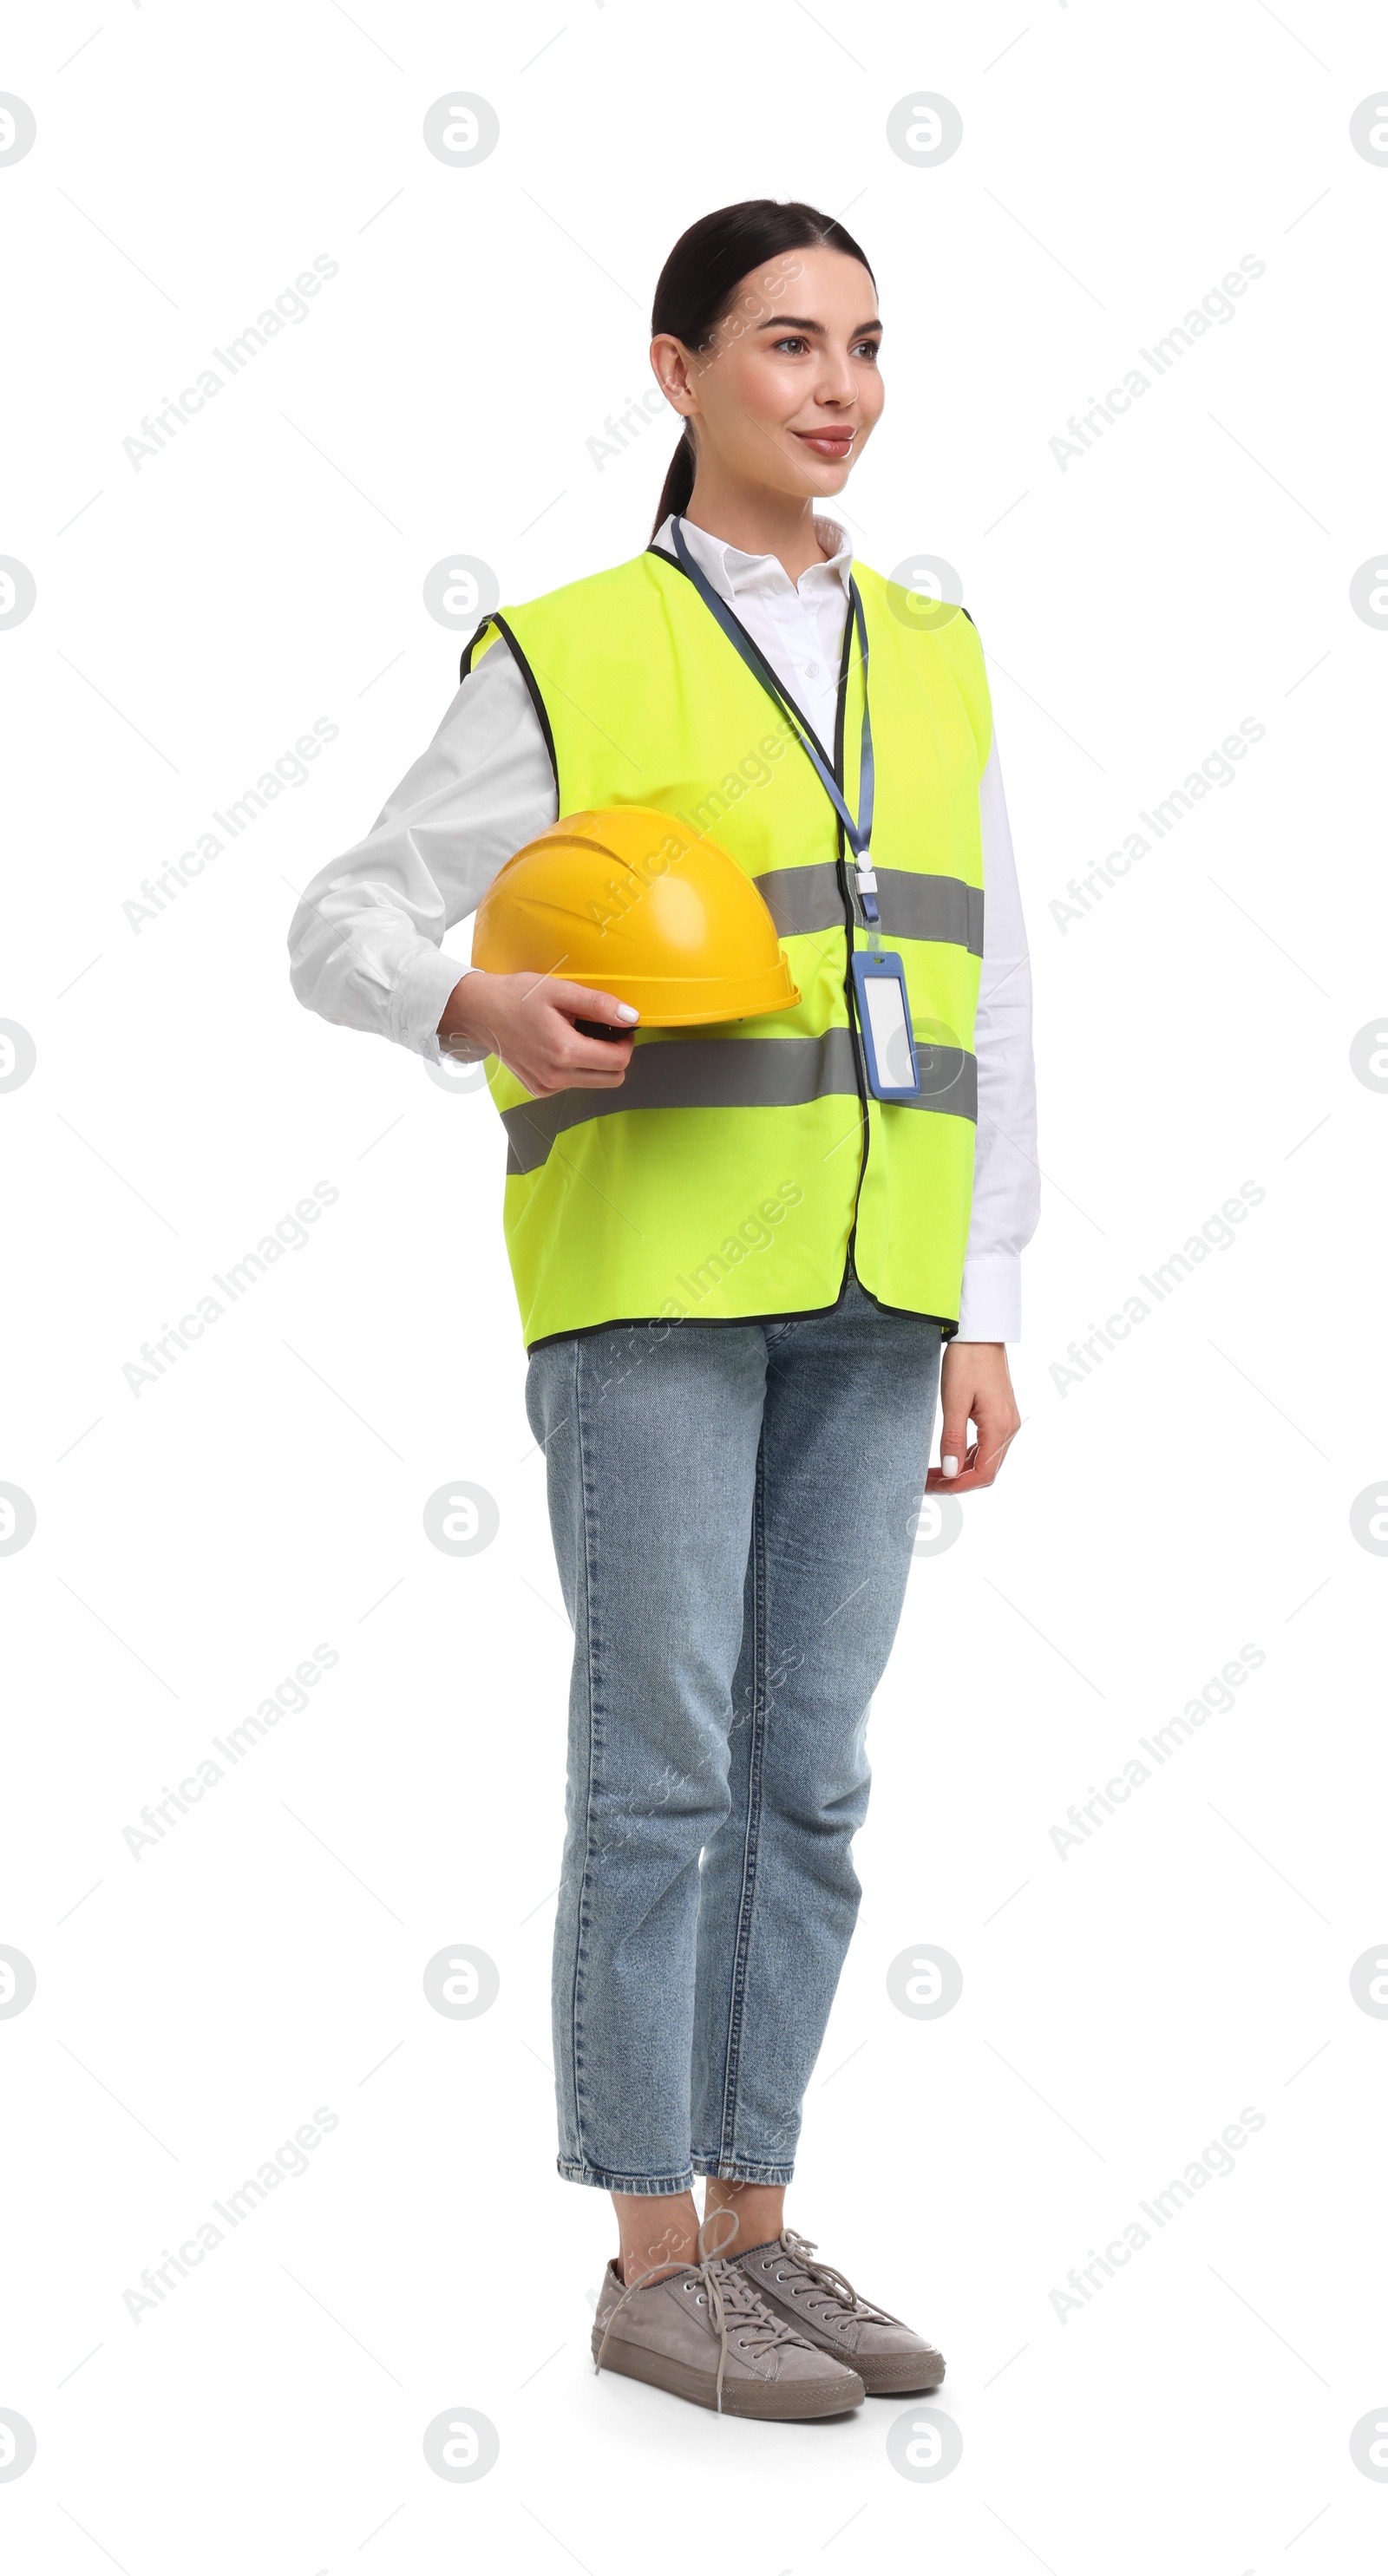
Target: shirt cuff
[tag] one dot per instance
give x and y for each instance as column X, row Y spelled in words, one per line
column 990, row 1301
column 417, row 1004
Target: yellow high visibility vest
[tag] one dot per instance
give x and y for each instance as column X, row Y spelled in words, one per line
column 728, row 1176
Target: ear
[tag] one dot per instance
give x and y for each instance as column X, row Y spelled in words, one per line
column 674, row 372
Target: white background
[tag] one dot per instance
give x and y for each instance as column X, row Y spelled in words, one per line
column 196, row 1540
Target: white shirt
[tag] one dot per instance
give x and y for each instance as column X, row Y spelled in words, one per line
column 366, row 941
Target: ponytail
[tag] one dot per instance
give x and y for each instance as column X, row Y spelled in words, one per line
column 700, row 281
column 677, row 489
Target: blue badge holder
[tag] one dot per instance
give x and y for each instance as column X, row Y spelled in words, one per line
column 884, row 1016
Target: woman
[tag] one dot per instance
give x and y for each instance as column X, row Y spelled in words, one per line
column 738, row 1265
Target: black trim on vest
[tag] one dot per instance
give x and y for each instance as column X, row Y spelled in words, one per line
column 527, row 675
column 470, row 648
column 850, row 991
column 948, row 1324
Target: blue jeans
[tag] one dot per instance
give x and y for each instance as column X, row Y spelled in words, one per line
column 733, row 1509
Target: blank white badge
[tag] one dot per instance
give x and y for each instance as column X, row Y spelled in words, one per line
column 891, row 1039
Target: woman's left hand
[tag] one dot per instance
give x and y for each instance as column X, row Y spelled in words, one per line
column 974, row 1388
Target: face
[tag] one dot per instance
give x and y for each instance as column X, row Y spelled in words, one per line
column 789, row 392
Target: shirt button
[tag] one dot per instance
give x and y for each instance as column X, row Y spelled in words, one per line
column 812, row 670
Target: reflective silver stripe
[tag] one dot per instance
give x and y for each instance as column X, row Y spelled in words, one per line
column 911, row 906
column 732, row 1073
column 801, row 899
column 949, row 1081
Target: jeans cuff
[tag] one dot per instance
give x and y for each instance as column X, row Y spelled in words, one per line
column 649, row 2186
column 740, row 2169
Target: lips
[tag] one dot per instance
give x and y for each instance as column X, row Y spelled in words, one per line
column 833, row 443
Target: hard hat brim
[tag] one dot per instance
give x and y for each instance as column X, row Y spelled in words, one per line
column 693, row 1001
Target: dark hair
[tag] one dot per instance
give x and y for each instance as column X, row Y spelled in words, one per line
column 700, row 278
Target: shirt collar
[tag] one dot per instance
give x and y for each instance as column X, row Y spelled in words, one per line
column 732, row 571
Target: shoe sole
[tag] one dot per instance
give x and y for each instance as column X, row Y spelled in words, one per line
column 777, row 2401
column 896, row 2373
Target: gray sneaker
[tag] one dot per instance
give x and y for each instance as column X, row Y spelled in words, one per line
column 705, row 2334
column 826, row 2309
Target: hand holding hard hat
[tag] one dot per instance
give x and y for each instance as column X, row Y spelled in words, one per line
column 635, row 902
column 610, row 916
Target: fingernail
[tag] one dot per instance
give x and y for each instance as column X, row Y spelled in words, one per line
column 950, row 1466
column 625, row 1012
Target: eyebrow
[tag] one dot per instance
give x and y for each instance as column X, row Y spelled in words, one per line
column 797, row 322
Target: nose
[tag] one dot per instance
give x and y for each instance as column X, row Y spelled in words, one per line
column 837, row 383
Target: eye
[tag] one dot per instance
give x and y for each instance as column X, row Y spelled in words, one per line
column 867, row 348
column 796, row 342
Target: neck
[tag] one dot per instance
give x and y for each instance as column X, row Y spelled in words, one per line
column 761, row 522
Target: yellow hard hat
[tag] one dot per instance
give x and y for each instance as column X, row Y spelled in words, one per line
column 634, row 902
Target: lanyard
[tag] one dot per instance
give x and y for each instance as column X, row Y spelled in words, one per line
column 859, row 833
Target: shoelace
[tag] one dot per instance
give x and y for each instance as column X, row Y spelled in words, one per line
column 830, row 2286
column 730, row 2294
